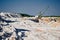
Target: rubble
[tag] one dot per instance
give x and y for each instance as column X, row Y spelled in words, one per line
column 26, row 29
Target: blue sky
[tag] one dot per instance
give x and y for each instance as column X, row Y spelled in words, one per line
column 32, row 7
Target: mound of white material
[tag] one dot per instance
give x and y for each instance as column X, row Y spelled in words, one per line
column 37, row 31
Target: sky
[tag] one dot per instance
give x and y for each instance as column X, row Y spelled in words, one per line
column 32, row 7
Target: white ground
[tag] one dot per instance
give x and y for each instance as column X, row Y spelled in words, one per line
column 38, row 31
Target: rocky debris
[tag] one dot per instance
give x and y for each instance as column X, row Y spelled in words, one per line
column 9, row 15
column 26, row 29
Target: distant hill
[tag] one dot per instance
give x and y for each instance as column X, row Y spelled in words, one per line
column 25, row 15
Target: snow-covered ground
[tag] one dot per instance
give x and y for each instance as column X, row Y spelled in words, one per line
column 30, row 30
